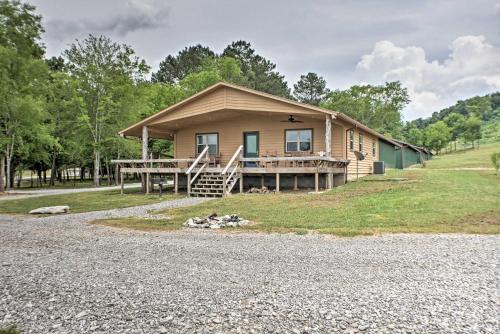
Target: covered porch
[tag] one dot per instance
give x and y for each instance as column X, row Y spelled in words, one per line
column 228, row 138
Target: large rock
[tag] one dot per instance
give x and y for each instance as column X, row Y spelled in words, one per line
column 51, row 210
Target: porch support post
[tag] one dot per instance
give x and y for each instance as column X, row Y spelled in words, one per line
column 189, row 184
column 328, row 135
column 121, row 182
column 145, row 140
column 241, row 183
column 295, row 182
column 176, row 183
column 328, row 147
column 277, row 182
column 316, row 181
column 145, row 176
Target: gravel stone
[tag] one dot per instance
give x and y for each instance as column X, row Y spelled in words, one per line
column 209, row 281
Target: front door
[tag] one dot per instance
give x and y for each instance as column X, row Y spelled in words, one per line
column 251, row 147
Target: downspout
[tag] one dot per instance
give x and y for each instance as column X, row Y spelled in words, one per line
column 346, row 144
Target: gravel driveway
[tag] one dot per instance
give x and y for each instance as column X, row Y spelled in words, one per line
column 64, row 276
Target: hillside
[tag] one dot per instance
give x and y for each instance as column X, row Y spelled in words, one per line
column 486, row 108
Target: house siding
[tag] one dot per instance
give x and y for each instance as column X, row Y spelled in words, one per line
column 271, row 135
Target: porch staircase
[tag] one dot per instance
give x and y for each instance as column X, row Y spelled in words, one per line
column 212, row 185
column 207, row 183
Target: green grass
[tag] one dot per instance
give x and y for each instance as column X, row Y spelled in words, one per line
column 479, row 158
column 83, row 202
column 10, row 330
column 431, row 201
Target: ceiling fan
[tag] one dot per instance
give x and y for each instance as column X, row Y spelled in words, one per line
column 292, row 120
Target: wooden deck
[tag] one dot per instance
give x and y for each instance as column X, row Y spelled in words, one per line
column 236, row 170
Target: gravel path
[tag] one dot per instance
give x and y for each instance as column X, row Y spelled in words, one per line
column 18, row 194
column 59, row 275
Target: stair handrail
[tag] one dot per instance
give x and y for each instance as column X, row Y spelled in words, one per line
column 198, row 159
column 233, row 158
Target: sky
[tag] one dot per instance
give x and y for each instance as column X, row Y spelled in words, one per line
column 441, row 50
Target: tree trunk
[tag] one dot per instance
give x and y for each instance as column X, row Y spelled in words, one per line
column 53, row 170
column 2, row 174
column 108, row 171
column 97, row 162
column 39, row 175
column 7, row 174
column 20, row 179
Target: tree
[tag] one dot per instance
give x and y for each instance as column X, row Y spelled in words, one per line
column 63, row 106
column 437, row 136
column 259, row 72
column 472, row 129
column 24, row 75
column 378, row 107
column 189, row 60
column 215, row 70
column 105, row 73
column 310, row 89
column 456, row 123
column 480, row 106
column 415, row 136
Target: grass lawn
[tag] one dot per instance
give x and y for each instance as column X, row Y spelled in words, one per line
column 85, row 201
column 466, row 159
column 432, row 200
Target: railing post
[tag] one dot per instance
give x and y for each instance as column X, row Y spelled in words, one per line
column 224, row 185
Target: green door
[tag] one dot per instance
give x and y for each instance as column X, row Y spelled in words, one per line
column 251, row 147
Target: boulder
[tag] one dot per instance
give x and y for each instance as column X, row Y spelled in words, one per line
column 51, row 210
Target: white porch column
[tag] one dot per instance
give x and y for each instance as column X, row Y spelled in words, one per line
column 145, row 140
column 328, row 135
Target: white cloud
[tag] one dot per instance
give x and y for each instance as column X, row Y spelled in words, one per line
column 471, row 68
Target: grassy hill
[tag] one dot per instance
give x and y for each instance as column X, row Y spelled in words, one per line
column 465, row 159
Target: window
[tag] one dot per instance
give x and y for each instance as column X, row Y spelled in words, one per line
column 351, row 140
column 360, row 142
column 374, row 148
column 210, row 139
column 298, row 140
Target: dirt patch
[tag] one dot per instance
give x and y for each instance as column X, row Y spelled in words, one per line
column 485, row 219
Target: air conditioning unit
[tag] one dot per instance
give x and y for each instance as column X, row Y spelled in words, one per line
column 378, row 167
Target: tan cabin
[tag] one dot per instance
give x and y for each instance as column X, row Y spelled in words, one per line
column 228, row 137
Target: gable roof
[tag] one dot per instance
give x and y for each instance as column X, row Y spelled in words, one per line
column 219, row 85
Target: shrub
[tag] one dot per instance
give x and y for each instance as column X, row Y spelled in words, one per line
column 495, row 160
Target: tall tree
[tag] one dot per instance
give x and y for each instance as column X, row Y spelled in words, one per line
column 259, row 73
column 472, row 129
column 437, row 136
column 415, row 136
column 189, row 60
column 104, row 72
column 310, row 89
column 455, row 122
column 378, row 107
column 23, row 74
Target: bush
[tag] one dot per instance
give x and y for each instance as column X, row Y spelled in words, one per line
column 495, row 160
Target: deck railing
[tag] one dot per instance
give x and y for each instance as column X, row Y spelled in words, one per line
column 202, row 157
column 233, row 163
column 294, row 162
